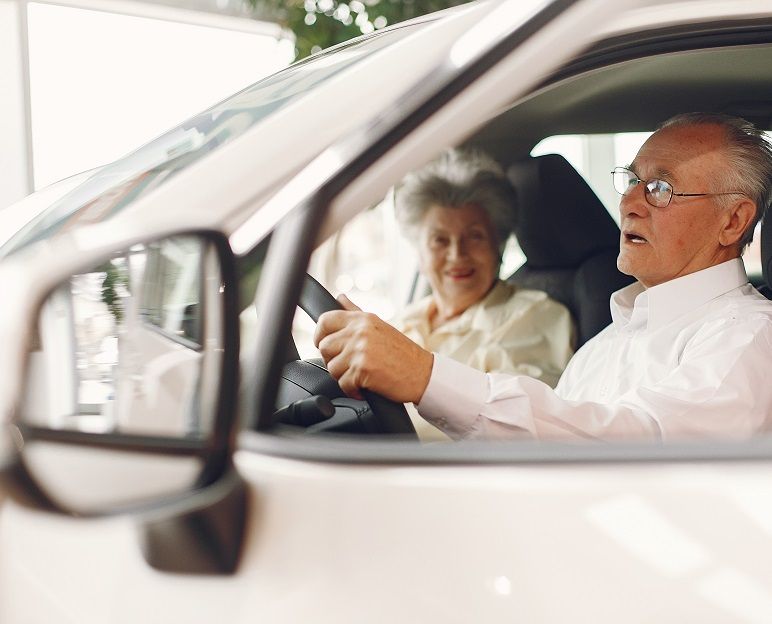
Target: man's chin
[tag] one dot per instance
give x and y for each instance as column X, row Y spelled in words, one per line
column 625, row 264
column 637, row 271
column 628, row 264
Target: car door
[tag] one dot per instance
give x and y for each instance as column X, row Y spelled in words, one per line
column 567, row 533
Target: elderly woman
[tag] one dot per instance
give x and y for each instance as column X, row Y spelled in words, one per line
column 459, row 212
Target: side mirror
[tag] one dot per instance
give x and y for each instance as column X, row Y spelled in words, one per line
column 131, row 378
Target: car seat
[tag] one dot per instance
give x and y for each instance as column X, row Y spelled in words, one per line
column 570, row 241
column 766, row 256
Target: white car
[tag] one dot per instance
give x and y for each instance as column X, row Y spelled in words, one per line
column 167, row 454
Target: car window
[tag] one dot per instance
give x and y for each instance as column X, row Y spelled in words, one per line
column 369, row 261
column 595, row 155
column 376, row 267
column 16, row 216
column 373, row 264
column 172, row 295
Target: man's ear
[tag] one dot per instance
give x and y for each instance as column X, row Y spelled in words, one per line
column 739, row 217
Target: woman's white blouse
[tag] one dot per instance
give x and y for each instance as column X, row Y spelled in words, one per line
column 511, row 330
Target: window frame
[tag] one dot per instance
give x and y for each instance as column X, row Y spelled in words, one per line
column 300, row 229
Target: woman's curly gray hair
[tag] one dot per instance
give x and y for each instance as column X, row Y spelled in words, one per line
column 459, row 177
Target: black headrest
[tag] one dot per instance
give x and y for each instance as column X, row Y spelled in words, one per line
column 561, row 221
column 766, row 248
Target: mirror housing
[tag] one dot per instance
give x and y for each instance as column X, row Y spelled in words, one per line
column 131, row 381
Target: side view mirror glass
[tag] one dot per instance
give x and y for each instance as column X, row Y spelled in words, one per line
column 126, row 376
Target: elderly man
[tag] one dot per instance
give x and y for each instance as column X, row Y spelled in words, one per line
column 689, row 348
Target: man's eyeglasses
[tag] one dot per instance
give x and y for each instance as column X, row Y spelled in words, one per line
column 658, row 193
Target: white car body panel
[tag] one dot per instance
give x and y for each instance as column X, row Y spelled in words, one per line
column 15, row 217
column 333, row 542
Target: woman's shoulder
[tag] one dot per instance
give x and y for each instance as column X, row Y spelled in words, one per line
column 413, row 313
column 513, row 295
column 530, row 299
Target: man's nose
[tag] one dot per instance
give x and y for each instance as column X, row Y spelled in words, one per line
column 634, row 203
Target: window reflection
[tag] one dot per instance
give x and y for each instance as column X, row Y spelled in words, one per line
column 123, row 347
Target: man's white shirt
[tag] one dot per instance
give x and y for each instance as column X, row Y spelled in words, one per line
column 690, row 357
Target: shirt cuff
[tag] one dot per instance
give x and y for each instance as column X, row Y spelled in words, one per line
column 454, row 397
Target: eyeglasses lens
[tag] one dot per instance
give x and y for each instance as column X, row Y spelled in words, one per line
column 624, row 180
column 658, row 193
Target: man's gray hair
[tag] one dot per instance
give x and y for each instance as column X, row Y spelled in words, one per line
column 459, row 177
column 750, row 161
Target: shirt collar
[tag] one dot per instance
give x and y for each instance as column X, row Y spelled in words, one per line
column 473, row 317
column 636, row 306
column 498, row 298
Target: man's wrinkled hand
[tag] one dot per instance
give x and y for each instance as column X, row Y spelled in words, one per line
column 363, row 352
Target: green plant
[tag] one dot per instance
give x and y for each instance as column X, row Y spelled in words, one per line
column 116, row 279
column 318, row 24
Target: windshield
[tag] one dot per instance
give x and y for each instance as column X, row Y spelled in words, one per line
column 116, row 185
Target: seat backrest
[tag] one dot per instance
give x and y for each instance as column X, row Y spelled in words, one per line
column 569, row 239
column 766, row 256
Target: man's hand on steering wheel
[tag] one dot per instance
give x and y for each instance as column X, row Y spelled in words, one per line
column 387, row 416
column 363, row 352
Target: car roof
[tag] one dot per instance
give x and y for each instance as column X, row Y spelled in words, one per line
column 723, row 70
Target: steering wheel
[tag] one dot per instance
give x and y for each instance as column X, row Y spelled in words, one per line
column 390, row 416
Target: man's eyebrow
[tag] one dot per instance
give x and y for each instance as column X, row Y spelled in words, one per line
column 660, row 172
column 665, row 173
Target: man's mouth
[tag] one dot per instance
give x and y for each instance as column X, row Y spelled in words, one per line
column 633, row 237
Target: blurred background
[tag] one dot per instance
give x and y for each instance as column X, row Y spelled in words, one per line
column 86, row 81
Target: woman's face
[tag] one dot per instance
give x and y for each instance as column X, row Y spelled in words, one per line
column 458, row 254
